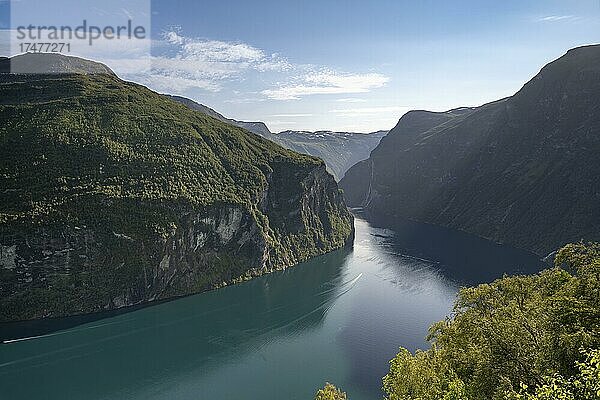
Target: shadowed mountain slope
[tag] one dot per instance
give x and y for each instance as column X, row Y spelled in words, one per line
column 522, row 170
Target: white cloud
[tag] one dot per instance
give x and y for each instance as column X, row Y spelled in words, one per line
column 200, row 63
column 218, row 51
column 127, row 13
column 244, row 100
column 273, row 63
column 173, row 37
column 183, row 63
column 281, row 123
column 327, row 82
column 556, row 18
column 180, row 63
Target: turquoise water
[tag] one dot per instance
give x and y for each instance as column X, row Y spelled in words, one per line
column 337, row 318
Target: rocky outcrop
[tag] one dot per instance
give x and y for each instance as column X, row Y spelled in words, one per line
column 49, row 272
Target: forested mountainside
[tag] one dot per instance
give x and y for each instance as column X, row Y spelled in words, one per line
column 113, row 195
column 255, row 127
column 339, row 150
column 522, row 170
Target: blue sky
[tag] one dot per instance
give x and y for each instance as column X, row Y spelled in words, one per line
column 353, row 65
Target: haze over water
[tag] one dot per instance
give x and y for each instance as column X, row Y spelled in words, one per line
column 336, row 318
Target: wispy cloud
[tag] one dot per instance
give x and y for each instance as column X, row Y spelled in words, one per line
column 557, row 18
column 180, row 64
column 327, row 82
column 217, row 51
column 127, row 13
column 176, row 84
column 173, row 37
column 187, row 63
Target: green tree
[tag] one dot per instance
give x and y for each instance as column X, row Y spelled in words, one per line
column 424, row 376
column 585, row 385
column 330, row 392
column 513, row 334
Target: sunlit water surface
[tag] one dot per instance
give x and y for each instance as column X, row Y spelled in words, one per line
column 337, row 318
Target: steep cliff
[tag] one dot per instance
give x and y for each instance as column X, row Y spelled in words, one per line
column 522, row 170
column 113, row 195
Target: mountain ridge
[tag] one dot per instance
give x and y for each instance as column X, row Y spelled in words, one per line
column 257, row 127
column 519, row 170
column 51, row 63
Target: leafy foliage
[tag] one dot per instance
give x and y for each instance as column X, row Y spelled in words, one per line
column 584, row 385
column 511, row 335
column 424, row 375
column 339, row 150
column 330, row 392
column 96, row 135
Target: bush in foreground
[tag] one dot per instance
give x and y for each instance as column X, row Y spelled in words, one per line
column 523, row 337
column 330, row 392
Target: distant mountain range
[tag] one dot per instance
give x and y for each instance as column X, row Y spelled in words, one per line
column 524, row 170
column 339, row 150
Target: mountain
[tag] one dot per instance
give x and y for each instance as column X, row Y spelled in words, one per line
column 52, row 63
column 359, row 194
column 258, row 128
column 113, row 195
column 339, row 150
column 522, row 170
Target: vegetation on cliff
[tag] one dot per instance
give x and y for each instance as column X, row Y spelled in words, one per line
column 330, row 392
column 521, row 337
column 339, row 150
column 533, row 337
column 125, row 186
